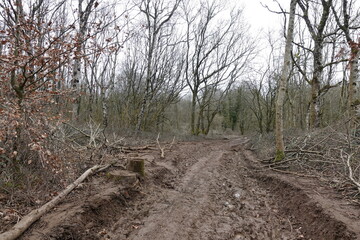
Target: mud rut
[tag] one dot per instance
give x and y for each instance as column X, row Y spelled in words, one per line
column 201, row 190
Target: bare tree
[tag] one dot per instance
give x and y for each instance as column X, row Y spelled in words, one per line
column 345, row 21
column 317, row 25
column 280, row 149
column 217, row 53
column 158, row 14
column 83, row 18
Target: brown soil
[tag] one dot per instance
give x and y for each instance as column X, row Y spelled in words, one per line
column 213, row 189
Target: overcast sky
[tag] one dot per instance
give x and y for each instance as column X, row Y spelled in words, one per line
column 259, row 17
column 262, row 21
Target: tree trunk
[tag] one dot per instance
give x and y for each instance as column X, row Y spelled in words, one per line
column 314, row 120
column 353, row 78
column 280, row 149
column 193, row 110
column 104, row 109
column 83, row 21
column 314, row 115
column 200, row 121
column 75, row 86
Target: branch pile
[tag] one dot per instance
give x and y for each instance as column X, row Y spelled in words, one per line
column 328, row 153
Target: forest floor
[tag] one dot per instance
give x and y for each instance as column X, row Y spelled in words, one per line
column 209, row 189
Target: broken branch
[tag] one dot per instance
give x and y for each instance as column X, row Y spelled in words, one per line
column 351, row 176
column 161, row 149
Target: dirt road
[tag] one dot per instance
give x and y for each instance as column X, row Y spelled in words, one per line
column 213, row 189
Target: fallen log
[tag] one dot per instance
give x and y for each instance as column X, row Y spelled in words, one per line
column 34, row 215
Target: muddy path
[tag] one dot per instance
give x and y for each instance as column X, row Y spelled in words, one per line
column 212, row 189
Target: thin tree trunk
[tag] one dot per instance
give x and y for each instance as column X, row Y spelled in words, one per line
column 314, row 120
column 280, row 148
column 193, row 110
column 314, row 115
column 83, row 21
column 104, row 109
column 75, row 86
column 353, row 78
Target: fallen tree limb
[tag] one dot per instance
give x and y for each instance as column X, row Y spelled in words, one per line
column 139, row 148
column 303, row 151
column 280, row 162
column 92, row 136
column 34, row 215
column 131, row 149
column 351, row 176
column 266, row 161
column 77, row 129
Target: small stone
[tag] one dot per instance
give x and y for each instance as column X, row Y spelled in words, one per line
column 231, row 207
column 237, row 195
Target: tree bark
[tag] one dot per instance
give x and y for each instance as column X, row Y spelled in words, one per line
column 344, row 25
column 193, row 112
column 76, row 78
column 314, row 121
column 318, row 36
column 280, row 148
column 353, row 78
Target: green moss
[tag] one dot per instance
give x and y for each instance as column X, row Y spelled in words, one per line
column 280, row 155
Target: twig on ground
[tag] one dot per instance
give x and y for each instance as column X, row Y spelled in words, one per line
column 303, row 151
column 268, row 160
column 280, row 162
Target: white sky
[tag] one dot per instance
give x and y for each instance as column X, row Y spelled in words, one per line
column 259, row 17
column 262, row 22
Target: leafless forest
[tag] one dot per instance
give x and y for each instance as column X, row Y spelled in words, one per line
column 83, row 80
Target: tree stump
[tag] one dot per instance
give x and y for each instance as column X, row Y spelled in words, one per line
column 122, row 177
column 137, row 166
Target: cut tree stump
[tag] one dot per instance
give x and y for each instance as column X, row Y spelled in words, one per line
column 137, row 166
column 125, row 178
